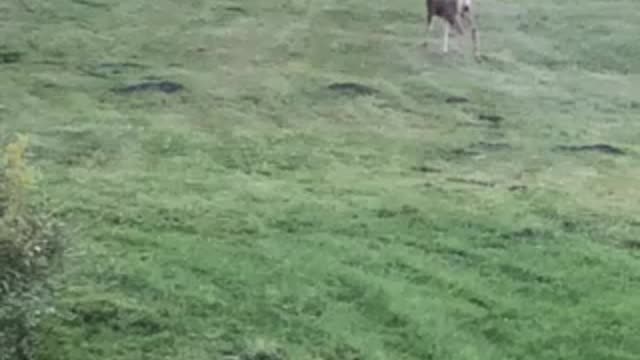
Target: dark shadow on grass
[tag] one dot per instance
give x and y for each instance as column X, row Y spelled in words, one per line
column 471, row 182
column 165, row 86
column 352, row 89
column 456, row 100
column 10, row 57
column 425, row 169
column 491, row 118
column 491, row 146
column 92, row 4
column 601, row 148
column 631, row 245
column 101, row 313
column 461, row 152
column 237, row 10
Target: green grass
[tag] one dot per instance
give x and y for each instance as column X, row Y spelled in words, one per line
column 257, row 205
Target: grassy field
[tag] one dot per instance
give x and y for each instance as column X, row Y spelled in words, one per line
column 311, row 183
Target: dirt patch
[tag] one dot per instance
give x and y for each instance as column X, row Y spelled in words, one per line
column 353, row 89
column 10, row 57
column 601, row 148
column 167, row 87
column 471, row 182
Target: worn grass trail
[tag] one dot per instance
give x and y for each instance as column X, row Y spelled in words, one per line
column 303, row 175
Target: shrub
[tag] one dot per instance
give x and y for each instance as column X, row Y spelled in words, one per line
column 31, row 248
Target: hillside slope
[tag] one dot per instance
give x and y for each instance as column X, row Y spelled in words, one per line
column 303, row 175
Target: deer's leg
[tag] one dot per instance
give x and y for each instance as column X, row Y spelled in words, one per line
column 474, row 34
column 457, row 25
column 427, row 33
column 428, row 19
column 474, row 38
column 429, row 14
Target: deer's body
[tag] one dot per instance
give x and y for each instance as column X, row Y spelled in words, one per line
column 456, row 14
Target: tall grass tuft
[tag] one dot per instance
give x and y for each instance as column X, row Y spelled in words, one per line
column 31, row 249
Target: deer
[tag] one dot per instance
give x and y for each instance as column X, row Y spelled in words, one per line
column 456, row 14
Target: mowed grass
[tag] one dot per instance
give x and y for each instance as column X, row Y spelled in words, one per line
column 259, row 209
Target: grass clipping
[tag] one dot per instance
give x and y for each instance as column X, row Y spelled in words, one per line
column 30, row 249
